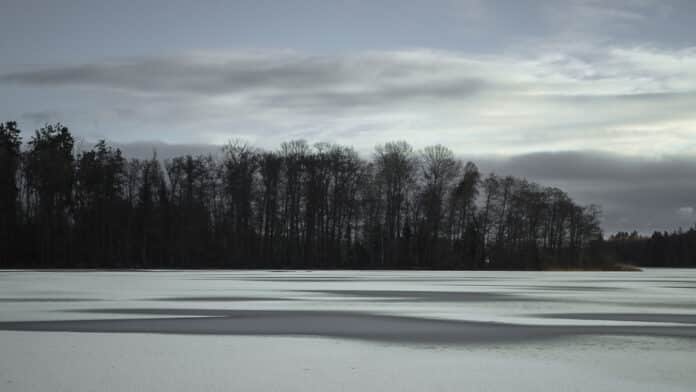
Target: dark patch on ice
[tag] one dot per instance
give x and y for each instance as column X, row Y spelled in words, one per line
column 570, row 288
column 36, row 299
column 170, row 311
column 319, row 279
column 219, row 299
column 280, row 279
column 300, row 279
column 642, row 317
column 349, row 325
column 633, row 281
column 650, row 305
column 541, row 287
column 426, row 296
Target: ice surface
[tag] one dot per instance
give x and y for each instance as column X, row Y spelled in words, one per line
column 347, row 330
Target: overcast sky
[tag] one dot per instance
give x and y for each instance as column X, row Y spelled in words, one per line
column 598, row 97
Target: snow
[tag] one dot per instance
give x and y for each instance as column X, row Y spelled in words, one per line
column 347, row 330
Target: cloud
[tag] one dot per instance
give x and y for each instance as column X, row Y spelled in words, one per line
column 165, row 151
column 596, row 97
column 265, row 73
column 42, row 117
column 686, row 212
column 634, row 192
column 606, row 21
column 633, row 100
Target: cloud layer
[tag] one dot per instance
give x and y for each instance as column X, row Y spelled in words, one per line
column 643, row 194
column 528, row 86
column 631, row 100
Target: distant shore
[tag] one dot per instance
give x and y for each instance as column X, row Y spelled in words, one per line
column 609, row 268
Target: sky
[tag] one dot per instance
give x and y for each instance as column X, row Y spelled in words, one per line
column 597, row 97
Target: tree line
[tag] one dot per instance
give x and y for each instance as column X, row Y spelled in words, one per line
column 661, row 249
column 300, row 206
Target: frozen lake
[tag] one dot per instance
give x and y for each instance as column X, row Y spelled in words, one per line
column 348, row 330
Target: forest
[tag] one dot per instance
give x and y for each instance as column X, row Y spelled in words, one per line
column 661, row 249
column 301, row 206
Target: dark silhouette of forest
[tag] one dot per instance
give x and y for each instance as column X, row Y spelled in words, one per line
column 302, row 206
column 661, row 249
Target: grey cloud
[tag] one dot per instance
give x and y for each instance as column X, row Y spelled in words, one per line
column 364, row 98
column 604, row 20
column 379, row 97
column 429, row 89
column 146, row 149
column 635, row 193
column 42, row 117
column 513, row 77
column 239, row 73
column 179, row 75
column 595, row 165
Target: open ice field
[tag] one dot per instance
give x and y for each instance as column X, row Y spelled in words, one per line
column 347, row 330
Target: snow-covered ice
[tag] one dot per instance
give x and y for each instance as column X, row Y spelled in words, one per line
column 347, row 330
